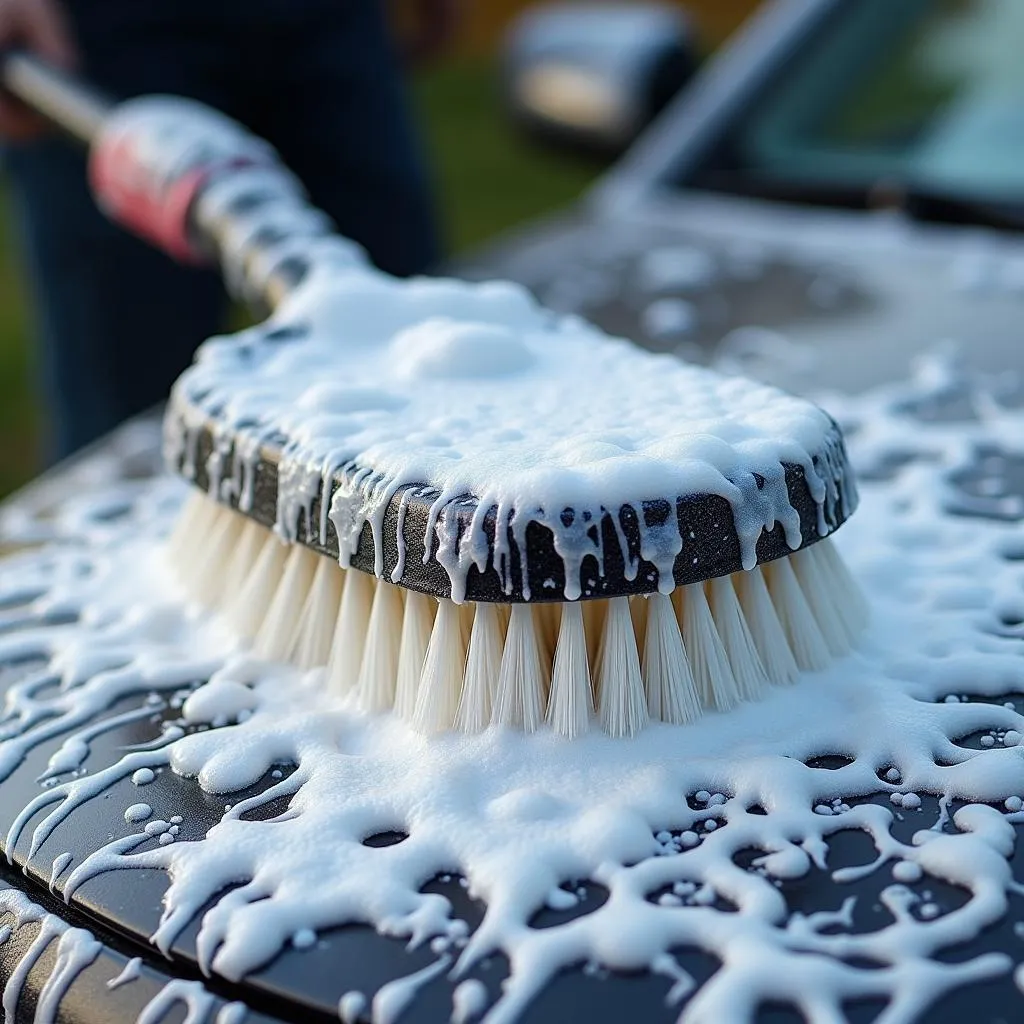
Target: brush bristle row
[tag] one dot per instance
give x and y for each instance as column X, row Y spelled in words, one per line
column 613, row 664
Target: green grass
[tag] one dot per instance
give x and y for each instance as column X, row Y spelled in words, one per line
column 487, row 180
column 20, row 414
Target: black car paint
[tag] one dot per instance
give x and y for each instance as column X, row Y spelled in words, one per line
column 891, row 288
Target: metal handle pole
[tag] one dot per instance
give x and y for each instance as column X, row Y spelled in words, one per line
column 245, row 230
column 59, row 97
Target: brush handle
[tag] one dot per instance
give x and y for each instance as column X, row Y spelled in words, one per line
column 187, row 179
column 58, row 96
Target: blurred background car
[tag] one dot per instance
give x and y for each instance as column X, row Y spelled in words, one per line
column 840, row 192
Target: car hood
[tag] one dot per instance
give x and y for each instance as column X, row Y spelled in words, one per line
column 804, row 298
column 893, row 289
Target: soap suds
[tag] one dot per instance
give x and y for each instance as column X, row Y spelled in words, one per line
column 129, row 973
column 137, row 813
column 518, row 816
column 76, row 950
column 198, row 1002
column 476, row 408
column 469, row 1000
column 351, row 1006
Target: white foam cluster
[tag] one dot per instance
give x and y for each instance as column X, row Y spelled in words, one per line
column 661, row 658
column 58, row 953
column 659, row 820
column 473, row 389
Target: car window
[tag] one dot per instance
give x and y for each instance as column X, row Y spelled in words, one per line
column 920, row 93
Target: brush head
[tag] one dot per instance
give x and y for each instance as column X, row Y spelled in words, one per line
column 616, row 663
column 462, row 442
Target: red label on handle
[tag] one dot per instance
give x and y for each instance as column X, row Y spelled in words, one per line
column 152, row 159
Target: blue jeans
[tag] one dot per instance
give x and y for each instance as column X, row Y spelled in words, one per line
column 119, row 321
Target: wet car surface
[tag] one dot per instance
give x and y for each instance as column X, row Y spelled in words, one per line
column 814, row 298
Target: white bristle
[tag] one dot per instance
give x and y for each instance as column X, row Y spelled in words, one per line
column 483, row 665
column 765, row 628
column 247, row 608
column 671, row 690
column 818, row 593
column 444, row 667
column 203, row 513
column 847, row 596
column 739, row 646
column 190, row 553
column 547, row 618
column 187, row 532
column 504, row 614
column 638, row 614
column 219, row 549
column 247, row 550
column 379, row 669
column 622, row 706
column 571, row 703
column 280, row 625
column 708, row 659
column 467, row 612
column 412, row 650
column 593, row 623
column 805, row 639
column 520, row 699
column 439, row 665
column 350, row 633
column 319, row 616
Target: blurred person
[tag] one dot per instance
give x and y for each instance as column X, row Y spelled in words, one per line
column 319, row 79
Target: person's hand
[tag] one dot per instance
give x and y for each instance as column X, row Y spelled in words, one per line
column 38, row 26
column 429, row 27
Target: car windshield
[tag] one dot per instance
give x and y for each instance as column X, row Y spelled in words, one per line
column 922, row 96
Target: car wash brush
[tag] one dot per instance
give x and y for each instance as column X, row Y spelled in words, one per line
column 472, row 511
column 466, row 509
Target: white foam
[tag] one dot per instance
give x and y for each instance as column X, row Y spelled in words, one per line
column 129, row 973
column 473, row 389
column 76, row 949
column 518, row 814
